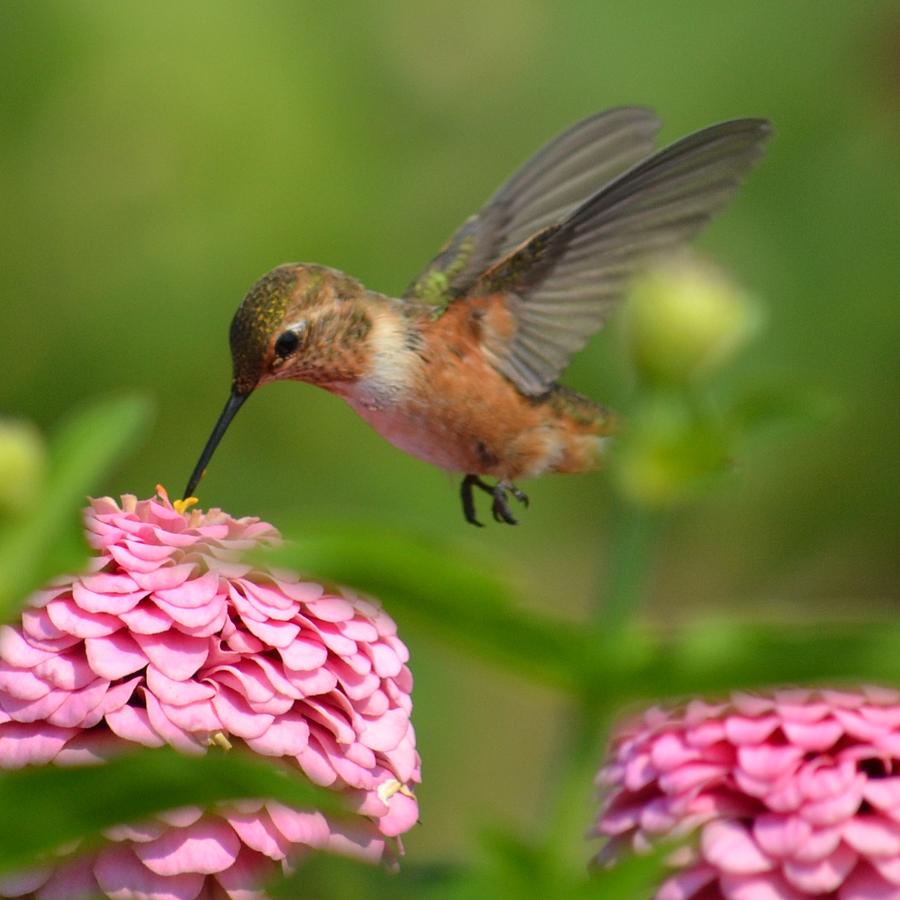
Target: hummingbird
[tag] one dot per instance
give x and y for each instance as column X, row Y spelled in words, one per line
column 461, row 371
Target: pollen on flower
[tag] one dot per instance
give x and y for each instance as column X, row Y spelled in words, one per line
column 183, row 505
column 180, row 506
column 171, row 638
column 388, row 788
column 220, row 739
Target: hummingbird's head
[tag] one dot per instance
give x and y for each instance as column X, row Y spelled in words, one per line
column 255, row 325
column 299, row 322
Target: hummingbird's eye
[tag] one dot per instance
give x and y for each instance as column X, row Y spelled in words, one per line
column 286, row 344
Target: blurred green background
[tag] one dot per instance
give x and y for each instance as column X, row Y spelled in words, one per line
column 156, row 159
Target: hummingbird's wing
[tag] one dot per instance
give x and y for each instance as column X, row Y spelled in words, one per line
column 563, row 282
column 574, row 165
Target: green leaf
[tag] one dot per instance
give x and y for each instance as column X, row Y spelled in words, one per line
column 461, row 602
column 423, row 583
column 44, row 807
column 458, row 600
column 47, row 540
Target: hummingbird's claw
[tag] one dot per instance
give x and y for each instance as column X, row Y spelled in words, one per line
column 500, row 509
column 468, row 501
column 498, row 492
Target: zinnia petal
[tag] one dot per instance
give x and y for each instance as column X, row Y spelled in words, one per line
column 207, row 846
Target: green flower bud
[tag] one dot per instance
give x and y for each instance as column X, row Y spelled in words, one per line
column 23, row 462
column 667, row 453
column 685, row 318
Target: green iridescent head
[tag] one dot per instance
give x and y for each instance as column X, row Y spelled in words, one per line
column 259, row 314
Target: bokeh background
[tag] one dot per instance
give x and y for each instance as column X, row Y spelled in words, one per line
column 155, row 159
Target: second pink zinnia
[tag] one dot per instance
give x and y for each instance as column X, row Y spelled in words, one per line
column 794, row 794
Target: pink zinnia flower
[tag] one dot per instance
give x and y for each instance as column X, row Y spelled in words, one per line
column 792, row 795
column 171, row 639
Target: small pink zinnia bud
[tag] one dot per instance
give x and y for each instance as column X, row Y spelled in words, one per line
column 171, row 639
column 791, row 795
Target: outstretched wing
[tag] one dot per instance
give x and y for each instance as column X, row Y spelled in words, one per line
column 562, row 283
column 574, row 165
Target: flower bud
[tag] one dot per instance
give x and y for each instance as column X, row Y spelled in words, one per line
column 667, row 452
column 685, row 318
column 23, row 461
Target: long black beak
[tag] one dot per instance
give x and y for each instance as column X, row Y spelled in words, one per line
column 235, row 402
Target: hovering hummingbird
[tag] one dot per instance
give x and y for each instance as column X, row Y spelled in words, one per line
column 461, row 371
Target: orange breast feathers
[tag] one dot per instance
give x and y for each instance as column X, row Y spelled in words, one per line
column 492, row 427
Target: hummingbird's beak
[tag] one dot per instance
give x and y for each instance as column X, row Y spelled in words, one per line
column 235, row 401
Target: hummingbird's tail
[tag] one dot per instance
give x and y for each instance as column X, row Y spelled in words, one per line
column 583, row 426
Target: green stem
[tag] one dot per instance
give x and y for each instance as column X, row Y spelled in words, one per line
column 634, row 542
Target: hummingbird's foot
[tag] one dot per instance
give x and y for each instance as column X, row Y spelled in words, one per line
column 499, row 506
column 468, row 500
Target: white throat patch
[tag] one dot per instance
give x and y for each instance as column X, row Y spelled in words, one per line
column 390, row 366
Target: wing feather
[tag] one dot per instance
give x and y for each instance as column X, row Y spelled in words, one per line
column 565, row 281
column 574, row 165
